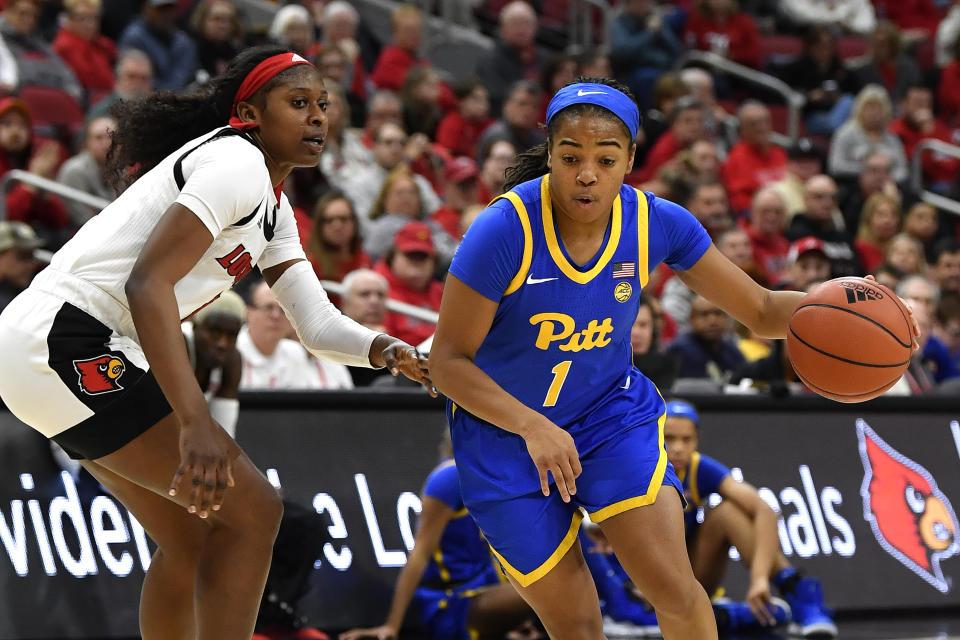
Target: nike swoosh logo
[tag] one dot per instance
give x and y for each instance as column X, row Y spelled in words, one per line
column 532, row 280
column 581, row 93
column 626, row 386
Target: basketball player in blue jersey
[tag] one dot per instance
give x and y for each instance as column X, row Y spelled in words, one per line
column 450, row 573
column 532, row 350
column 743, row 520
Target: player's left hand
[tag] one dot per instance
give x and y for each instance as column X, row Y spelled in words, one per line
column 913, row 320
column 759, row 601
column 399, row 357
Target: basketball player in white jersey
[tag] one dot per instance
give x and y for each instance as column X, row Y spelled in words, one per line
column 93, row 354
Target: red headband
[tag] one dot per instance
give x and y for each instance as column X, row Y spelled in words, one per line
column 257, row 78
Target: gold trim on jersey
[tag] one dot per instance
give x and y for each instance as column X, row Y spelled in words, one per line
column 653, row 489
column 643, row 238
column 553, row 243
column 526, row 579
column 694, row 465
column 521, row 210
column 438, row 558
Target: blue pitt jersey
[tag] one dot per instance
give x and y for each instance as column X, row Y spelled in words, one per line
column 463, row 554
column 560, row 339
column 699, row 480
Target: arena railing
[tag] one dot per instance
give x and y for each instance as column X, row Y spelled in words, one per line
column 581, row 35
column 916, row 173
column 794, row 100
column 62, row 190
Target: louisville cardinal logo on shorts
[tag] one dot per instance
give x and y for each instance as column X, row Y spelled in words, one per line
column 910, row 517
column 100, row 375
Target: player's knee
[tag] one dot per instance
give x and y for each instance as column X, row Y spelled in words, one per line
column 256, row 509
column 583, row 627
column 680, row 599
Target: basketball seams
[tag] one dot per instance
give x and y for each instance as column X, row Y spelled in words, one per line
column 861, row 316
column 842, row 359
column 848, row 398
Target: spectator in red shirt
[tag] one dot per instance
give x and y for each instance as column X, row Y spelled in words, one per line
column 398, row 57
column 460, row 130
column 686, row 127
column 409, row 267
column 19, row 150
column 334, row 247
column 917, row 122
column 948, row 95
column 879, row 222
column 80, row 44
column 754, row 160
column 916, row 18
column 719, row 26
column 767, row 222
column 462, row 180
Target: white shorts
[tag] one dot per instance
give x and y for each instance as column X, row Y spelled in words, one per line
column 72, row 378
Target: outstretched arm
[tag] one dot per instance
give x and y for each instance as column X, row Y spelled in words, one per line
column 721, row 282
column 433, row 520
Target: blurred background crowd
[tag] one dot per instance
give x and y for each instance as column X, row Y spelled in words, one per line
column 834, row 179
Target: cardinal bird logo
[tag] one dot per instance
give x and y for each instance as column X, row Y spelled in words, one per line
column 910, row 517
column 100, row 375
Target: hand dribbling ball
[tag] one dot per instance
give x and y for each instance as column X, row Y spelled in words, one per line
column 850, row 339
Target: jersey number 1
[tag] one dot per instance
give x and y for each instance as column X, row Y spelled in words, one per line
column 559, row 376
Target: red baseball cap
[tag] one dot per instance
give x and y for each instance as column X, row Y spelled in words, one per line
column 8, row 103
column 414, row 237
column 805, row 245
column 460, row 169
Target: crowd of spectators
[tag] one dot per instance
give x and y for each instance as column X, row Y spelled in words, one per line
column 413, row 155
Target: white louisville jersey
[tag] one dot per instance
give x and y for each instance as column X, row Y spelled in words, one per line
column 223, row 179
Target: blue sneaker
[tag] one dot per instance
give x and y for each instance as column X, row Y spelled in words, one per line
column 627, row 618
column 811, row 618
column 737, row 616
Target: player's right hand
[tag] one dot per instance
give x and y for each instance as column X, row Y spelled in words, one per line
column 553, row 450
column 205, row 466
column 383, row 632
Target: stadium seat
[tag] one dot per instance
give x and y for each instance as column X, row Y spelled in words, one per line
column 54, row 112
column 778, row 49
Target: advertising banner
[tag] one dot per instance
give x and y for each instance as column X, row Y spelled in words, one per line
column 867, row 497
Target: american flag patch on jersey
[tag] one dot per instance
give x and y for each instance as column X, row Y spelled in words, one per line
column 624, row 269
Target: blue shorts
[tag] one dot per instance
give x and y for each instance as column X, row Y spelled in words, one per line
column 529, row 532
column 444, row 612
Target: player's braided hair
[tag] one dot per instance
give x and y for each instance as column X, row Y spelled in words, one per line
column 533, row 163
column 151, row 128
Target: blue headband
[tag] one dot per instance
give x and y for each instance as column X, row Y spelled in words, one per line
column 601, row 95
column 681, row 409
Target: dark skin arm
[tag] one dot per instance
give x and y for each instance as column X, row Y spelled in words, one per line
column 433, row 520
column 465, row 320
column 176, row 244
column 385, row 351
column 231, row 372
column 764, row 520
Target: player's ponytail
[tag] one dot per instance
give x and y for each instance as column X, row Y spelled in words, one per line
column 151, row 128
column 530, row 164
column 533, row 163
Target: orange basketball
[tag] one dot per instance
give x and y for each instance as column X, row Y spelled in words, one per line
column 850, row 339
